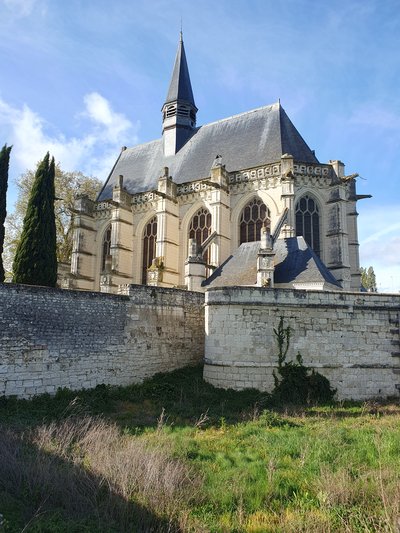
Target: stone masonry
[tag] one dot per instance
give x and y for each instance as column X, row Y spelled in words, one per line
column 51, row 338
column 351, row 338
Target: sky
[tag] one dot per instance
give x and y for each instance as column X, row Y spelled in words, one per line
column 84, row 78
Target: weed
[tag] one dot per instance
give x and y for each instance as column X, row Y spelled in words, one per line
column 297, row 384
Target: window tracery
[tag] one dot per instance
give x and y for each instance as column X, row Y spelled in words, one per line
column 106, row 248
column 308, row 222
column 200, row 229
column 254, row 215
column 149, row 247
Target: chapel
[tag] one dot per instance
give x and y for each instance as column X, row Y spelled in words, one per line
column 239, row 201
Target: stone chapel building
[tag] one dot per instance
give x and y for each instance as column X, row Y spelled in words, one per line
column 241, row 201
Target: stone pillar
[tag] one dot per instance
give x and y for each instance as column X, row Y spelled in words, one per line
column 337, row 233
column 121, row 235
column 220, row 213
column 106, row 284
column 287, row 196
column 354, row 253
column 167, row 248
column 265, row 261
column 83, row 256
column 195, row 268
column 155, row 272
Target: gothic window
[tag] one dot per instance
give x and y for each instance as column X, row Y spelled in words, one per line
column 200, row 229
column 106, row 248
column 252, row 219
column 307, row 222
column 149, row 247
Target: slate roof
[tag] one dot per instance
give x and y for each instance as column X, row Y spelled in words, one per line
column 180, row 87
column 244, row 141
column 295, row 262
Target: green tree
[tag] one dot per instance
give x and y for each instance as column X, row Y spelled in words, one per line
column 368, row 279
column 4, row 163
column 35, row 261
column 67, row 185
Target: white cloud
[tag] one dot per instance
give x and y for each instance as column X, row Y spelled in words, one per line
column 98, row 109
column 93, row 152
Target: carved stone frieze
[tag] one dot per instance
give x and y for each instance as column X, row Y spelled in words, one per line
column 102, row 210
column 245, row 176
column 203, row 194
column 256, row 185
column 195, row 186
column 312, row 170
column 144, row 198
column 142, row 208
column 314, row 181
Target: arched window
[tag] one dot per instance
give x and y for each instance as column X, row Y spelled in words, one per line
column 106, row 248
column 200, row 229
column 252, row 219
column 149, row 247
column 307, row 222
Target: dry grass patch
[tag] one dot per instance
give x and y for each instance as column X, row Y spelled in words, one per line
column 86, row 467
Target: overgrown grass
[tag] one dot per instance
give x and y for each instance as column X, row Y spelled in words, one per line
column 183, row 394
column 175, row 454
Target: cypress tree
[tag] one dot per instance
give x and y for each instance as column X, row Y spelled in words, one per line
column 4, row 163
column 35, row 261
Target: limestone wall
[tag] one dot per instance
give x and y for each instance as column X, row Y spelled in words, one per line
column 51, row 338
column 351, row 338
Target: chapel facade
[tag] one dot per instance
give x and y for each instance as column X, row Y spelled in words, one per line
column 174, row 210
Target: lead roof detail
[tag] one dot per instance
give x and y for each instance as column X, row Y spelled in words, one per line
column 180, row 87
column 248, row 140
column 295, row 263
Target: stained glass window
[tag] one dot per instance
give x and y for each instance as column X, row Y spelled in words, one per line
column 149, row 247
column 200, row 229
column 252, row 219
column 307, row 222
column 106, row 248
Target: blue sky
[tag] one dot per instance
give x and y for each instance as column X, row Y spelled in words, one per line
column 83, row 78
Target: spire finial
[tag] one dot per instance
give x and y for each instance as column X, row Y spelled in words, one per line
column 181, row 33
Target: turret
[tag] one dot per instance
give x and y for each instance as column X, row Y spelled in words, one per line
column 179, row 110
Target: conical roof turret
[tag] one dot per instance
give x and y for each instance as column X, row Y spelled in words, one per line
column 179, row 110
column 180, row 88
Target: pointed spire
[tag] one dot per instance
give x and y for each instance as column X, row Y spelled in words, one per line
column 180, row 87
column 179, row 110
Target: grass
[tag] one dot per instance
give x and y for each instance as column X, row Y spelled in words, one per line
column 175, row 454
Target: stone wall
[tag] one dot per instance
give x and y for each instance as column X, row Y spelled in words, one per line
column 351, row 338
column 51, row 338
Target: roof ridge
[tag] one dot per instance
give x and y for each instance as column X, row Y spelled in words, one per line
column 143, row 144
column 239, row 115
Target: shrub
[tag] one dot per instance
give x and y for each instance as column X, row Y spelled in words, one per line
column 298, row 384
